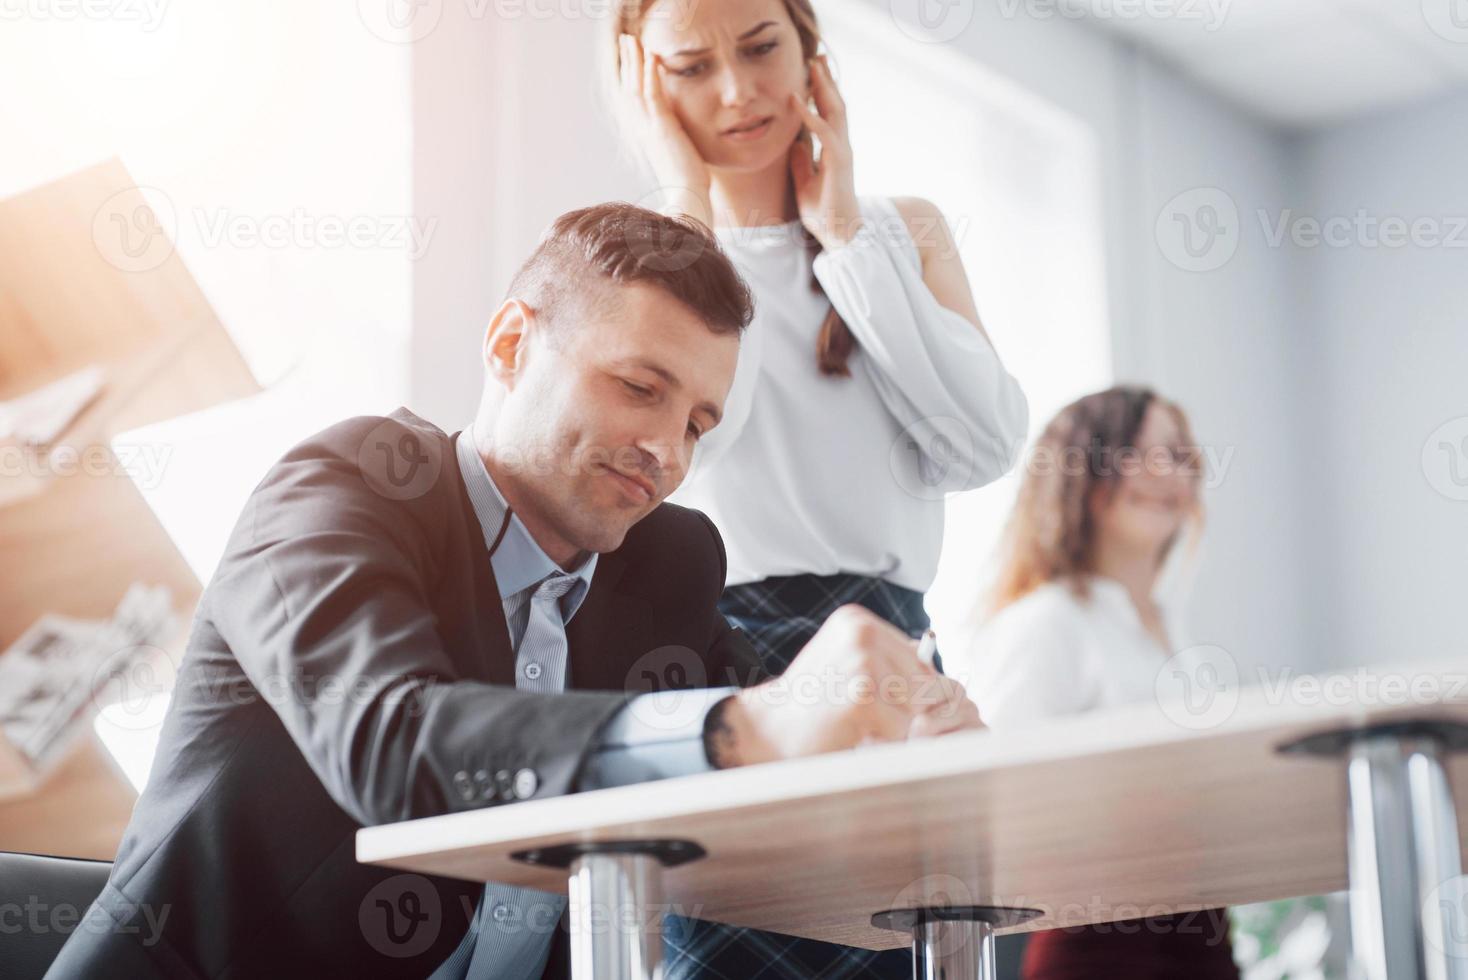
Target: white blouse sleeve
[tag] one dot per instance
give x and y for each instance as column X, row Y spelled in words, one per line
column 1030, row 663
column 936, row 373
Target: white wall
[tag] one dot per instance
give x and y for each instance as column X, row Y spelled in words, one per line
column 508, row 135
column 1222, row 343
column 460, row 176
column 1386, row 330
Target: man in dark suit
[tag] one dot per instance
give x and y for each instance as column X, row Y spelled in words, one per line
column 408, row 623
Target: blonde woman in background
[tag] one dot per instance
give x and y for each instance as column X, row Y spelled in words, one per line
column 866, row 386
column 1110, row 490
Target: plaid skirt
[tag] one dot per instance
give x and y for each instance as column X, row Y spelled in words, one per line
column 780, row 615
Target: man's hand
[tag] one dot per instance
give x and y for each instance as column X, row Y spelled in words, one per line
column 858, row 681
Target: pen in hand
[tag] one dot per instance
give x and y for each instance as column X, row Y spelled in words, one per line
column 927, row 646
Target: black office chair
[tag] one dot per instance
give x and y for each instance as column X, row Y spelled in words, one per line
column 32, row 888
column 44, row 883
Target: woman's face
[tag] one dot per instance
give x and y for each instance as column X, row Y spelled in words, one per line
column 728, row 64
column 1157, row 487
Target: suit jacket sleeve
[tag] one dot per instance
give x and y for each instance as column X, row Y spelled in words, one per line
column 659, row 734
column 321, row 598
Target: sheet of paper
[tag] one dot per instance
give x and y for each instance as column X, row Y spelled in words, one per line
column 62, row 669
column 39, row 417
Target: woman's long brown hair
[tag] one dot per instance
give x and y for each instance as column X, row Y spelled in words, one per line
column 1051, row 534
column 835, row 342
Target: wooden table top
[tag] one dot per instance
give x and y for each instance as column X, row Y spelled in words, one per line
column 1092, row 818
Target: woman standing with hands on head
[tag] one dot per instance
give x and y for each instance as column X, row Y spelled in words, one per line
column 866, row 387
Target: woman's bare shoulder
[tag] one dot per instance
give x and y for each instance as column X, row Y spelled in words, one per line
column 925, row 224
column 916, row 208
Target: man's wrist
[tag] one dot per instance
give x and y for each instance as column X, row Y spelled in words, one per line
column 731, row 734
column 720, row 744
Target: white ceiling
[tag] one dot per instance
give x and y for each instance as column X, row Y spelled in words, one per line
column 1303, row 63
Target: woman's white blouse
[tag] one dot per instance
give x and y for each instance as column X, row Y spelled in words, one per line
column 1051, row 653
column 808, row 473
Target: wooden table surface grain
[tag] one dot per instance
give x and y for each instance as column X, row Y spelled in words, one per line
column 1092, row 818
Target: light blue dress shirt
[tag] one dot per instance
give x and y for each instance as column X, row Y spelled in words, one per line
column 654, row 736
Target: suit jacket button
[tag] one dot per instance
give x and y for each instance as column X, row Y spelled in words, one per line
column 485, row 786
column 506, row 784
column 463, row 785
column 526, row 783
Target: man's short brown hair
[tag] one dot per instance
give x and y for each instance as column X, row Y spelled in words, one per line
column 583, row 251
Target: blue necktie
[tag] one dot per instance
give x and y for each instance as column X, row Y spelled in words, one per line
column 496, row 951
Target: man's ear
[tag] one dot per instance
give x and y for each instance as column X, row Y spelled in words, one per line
column 506, row 340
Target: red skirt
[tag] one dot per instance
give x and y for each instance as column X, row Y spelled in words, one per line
column 1185, row 946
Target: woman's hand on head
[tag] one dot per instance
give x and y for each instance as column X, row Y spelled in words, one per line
column 681, row 172
column 825, row 190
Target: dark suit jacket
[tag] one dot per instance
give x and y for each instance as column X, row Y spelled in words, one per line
column 349, row 665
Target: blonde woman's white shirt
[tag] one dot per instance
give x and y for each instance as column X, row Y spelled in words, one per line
column 813, row 474
column 1051, row 653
